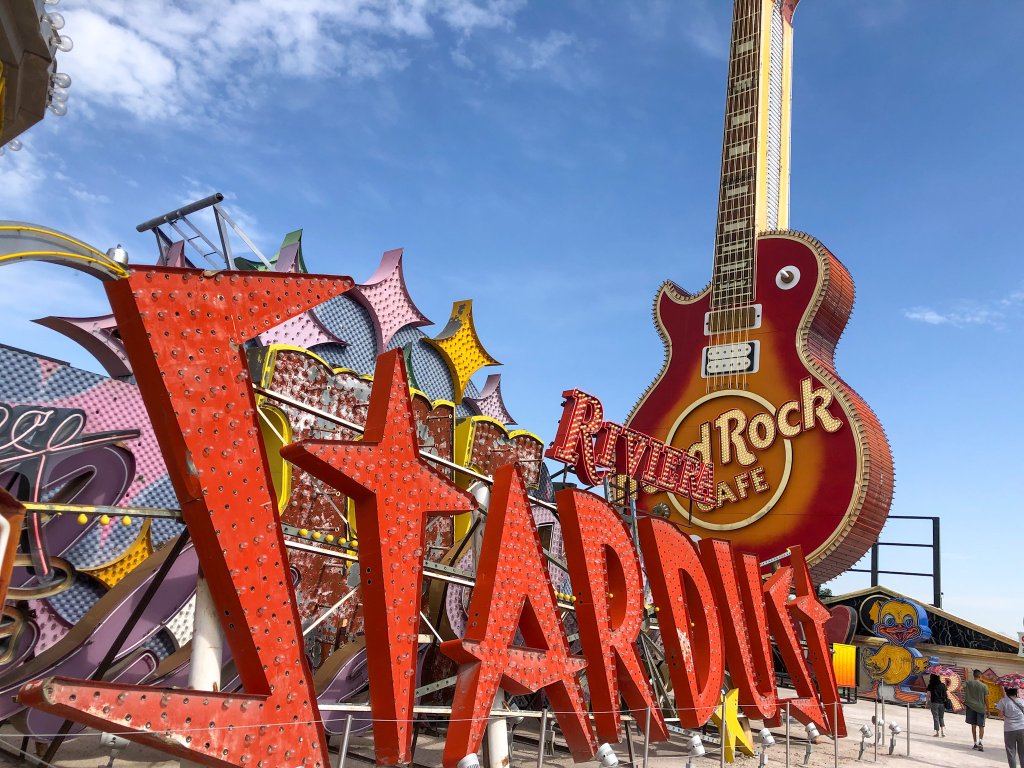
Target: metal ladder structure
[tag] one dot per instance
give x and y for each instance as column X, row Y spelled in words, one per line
column 219, row 257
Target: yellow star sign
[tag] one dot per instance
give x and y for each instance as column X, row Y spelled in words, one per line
column 733, row 734
column 460, row 347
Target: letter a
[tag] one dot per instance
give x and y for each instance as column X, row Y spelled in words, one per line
column 606, row 579
column 513, row 591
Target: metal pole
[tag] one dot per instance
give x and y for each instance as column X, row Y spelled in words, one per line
column 647, row 735
column 543, row 738
column 629, row 744
column 787, row 734
column 344, row 741
column 207, row 647
column 878, row 692
column 874, row 565
column 835, row 734
column 723, row 733
column 908, row 730
column 936, row 564
column 497, row 736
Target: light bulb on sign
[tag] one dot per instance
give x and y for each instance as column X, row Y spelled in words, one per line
column 14, row 145
column 58, row 95
column 55, row 20
column 61, row 79
column 59, row 109
column 65, row 43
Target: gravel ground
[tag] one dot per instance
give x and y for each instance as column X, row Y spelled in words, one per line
column 925, row 750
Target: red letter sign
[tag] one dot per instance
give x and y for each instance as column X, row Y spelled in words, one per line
column 737, row 580
column 812, row 616
column 582, row 416
column 682, row 592
column 806, row 708
column 393, row 489
column 513, row 591
column 183, row 331
column 606, row 579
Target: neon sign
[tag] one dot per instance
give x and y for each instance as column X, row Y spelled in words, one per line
column 592, row 446
column 183, row 331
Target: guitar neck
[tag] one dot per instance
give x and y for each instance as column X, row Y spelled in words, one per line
column 754, row 189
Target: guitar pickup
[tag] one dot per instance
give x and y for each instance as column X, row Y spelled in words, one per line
column 735, row 319
column 725, row 359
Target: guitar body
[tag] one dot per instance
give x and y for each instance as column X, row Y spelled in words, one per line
column 799, row 457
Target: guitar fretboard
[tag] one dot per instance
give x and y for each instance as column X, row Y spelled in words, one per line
column 733, row 277
column 755, row 144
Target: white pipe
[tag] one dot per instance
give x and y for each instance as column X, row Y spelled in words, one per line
column 207, row 647
column 497, row 736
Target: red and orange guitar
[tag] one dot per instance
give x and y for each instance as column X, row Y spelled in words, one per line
column 749, row 380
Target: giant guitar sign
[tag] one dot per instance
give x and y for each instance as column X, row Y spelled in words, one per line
column 748, row 381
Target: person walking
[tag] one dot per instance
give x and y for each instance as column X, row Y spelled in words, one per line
column 976, row 700
column 1012, row 710
column 937, row 695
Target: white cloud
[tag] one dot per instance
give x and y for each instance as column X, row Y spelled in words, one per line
column 192, row 60
column 557, row 55
column 694, row 20
column 23, row 175
column 993, row 314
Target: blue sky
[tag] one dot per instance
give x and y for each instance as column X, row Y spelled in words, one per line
column 555, row 161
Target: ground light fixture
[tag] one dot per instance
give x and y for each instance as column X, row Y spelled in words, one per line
column 894, row 730
column 606, row 757
column 469, row 761
column 695, row 748
column 812, row 735
column 767, row 740
column 880, row 731
column 865, row 734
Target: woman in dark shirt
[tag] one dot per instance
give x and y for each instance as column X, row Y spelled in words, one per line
column 937, row 695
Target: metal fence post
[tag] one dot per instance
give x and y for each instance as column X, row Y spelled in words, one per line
column 723, row 733
column 344, row 741
column 908, row 730
column 647, row 735
column 835, row 735
column 787, row 734
column 543, row 737
column 877, row 694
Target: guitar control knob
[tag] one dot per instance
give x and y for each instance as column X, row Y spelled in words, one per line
column 787, row 277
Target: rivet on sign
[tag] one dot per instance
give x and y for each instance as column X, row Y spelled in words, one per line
column 83, row 519
column 104, row 519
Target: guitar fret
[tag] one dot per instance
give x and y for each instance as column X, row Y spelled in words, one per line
column 733, row 247
column 737, row 149
column 736, row 267
column 740, row 86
